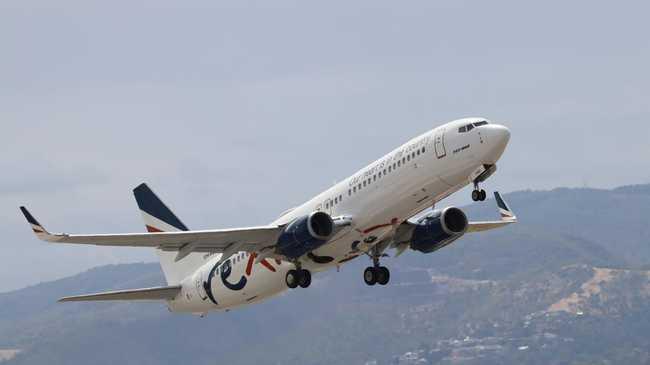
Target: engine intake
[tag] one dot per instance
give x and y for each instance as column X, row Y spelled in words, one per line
column 439, row 229
column 305, row 234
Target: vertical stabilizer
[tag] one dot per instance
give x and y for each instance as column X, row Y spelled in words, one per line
column 159, row 218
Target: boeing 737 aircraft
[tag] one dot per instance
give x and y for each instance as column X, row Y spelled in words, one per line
column 364, row 215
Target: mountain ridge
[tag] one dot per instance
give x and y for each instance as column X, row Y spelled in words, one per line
column 486, row 299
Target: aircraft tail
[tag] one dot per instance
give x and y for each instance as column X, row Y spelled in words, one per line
column 159, row 218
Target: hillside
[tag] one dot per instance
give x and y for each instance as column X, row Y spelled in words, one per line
column 569, row 285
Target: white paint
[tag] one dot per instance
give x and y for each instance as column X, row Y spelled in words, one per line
column 400, row 194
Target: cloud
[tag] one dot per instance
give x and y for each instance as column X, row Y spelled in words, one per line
column 234, row 112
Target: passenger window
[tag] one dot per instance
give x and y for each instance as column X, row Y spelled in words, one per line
column 379, row 174
column 374, row 178
column 364, row 183
column 424, row 149
column 359, row 186
column 384, row 171
column 354, row 189
column 413, row 155
column 349, row 192
column 390, row 168
column 399, row 163
column 408, row 158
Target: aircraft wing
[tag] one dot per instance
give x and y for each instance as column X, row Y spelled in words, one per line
column 402, row 237
column 222, row 240
column 507, row 218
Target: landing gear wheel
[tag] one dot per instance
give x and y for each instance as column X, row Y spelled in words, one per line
column 292, row 279
column 305, row 279
column 479, row 195
column 383, row 276
column 370, row 276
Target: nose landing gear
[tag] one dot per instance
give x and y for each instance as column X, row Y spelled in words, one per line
column 478, row 195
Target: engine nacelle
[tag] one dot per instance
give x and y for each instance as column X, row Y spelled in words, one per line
column 305, row 234
column 438, row 229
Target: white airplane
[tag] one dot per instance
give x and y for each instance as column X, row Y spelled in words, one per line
column 364, row 215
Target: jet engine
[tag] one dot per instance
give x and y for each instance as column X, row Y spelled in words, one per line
column 438, row 229
column 305, row 234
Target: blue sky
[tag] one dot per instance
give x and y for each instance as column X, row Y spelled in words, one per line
column 236, row 111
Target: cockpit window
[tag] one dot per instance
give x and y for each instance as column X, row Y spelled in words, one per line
column 469, row 127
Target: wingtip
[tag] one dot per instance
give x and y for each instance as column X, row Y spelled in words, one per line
column 30, row 218
column 141, row 186
column 36, row 227
column 506, row 213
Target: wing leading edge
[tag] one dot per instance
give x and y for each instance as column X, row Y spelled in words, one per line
column 218, row 241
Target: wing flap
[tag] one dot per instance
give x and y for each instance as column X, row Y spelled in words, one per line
column 155, row 293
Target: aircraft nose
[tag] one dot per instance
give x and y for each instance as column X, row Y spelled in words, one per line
column 498, row 137
column 499, row 134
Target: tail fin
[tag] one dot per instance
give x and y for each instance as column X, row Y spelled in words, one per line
column 159, row 218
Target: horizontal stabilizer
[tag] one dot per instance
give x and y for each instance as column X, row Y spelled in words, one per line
column 156, row 293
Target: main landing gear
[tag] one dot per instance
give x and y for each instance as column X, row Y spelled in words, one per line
column 376, row 275
column 298, row 277
column 478, row 195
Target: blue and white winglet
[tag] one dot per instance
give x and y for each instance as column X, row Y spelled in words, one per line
column 507, row 217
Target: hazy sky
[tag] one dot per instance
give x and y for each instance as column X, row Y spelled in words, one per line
column 236, row 111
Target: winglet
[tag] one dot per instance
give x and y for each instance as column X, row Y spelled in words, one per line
column 41, row 232
column 504, row 210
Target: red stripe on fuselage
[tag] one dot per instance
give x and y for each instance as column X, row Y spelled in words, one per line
column 267, row 265
column 249, row 265
column 251, row 261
